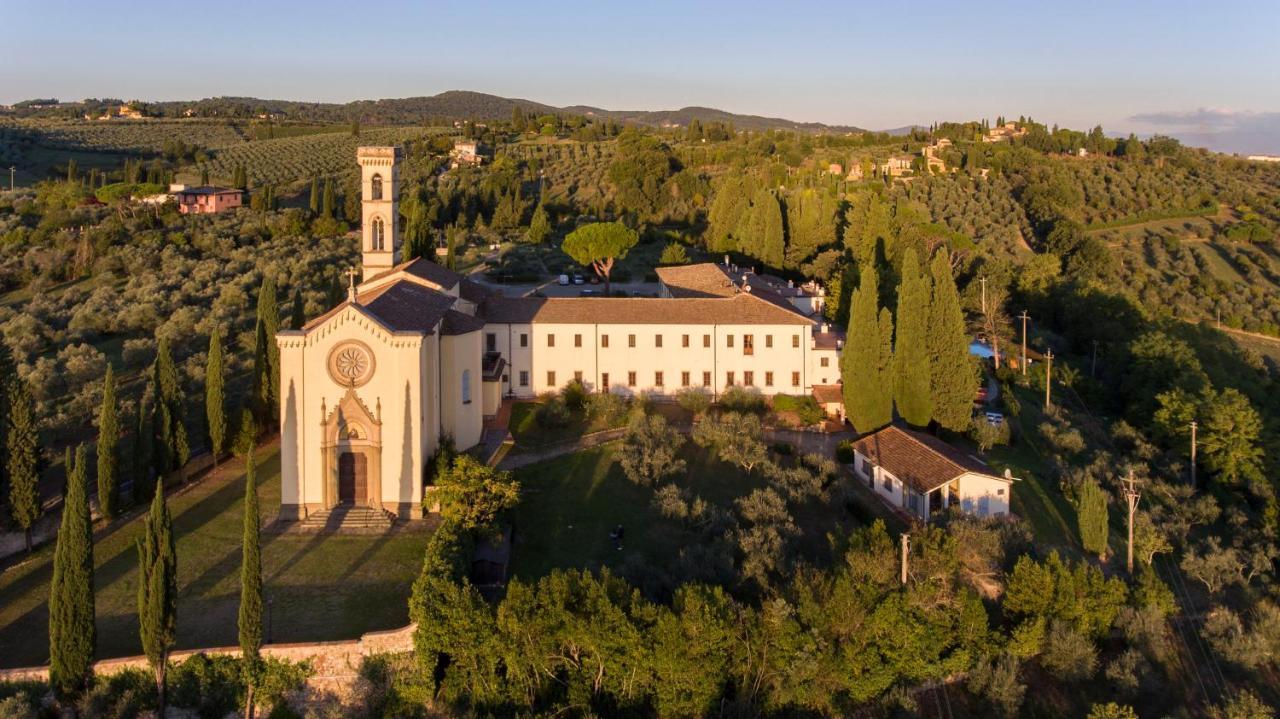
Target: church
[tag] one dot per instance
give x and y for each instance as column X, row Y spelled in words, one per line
column 418, row 353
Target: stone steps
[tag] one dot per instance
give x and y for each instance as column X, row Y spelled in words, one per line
column 348, row 519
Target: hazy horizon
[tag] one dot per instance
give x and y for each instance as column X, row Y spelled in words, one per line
column 1181, row 68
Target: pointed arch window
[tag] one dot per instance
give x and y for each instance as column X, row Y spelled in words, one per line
column 375, row 187
column 378, row 235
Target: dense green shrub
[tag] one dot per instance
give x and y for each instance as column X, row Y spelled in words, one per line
column 743, row 400
column 552, row 412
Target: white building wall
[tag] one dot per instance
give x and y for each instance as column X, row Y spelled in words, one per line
column 985, row 496
column 824, row 374
column 548, row 364
column 463, row 416
column 394, row 392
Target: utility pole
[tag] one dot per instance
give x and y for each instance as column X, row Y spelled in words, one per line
column 1093, row 368
column 1024, row 316
column 1193, row 454
column 12, row 170
column 1048, row 377
column 1131, row 497
column 906, row 542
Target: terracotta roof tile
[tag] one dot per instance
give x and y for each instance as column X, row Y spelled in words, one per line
column 425, row 269
column 920, row 460
column 460, row 323
column 701, row 280
column 828, row 393
column 742, row 309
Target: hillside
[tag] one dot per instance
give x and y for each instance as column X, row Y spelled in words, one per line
column 451, row 104
column 685, row 115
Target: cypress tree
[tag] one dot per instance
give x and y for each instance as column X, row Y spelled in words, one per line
column 761, row 235
column 1091, row 514
column 157, row 590
column 215, row 403
column 298, row 313
column 315, row 196
column 173, row 450
column 250, row 620
column 267, row 356
column 108, row 437
column 260, row 391
column 952, row 373
column 143, row 448
column 328, row 205
column 911, row 371
column 540, row 225
column 23, row 447
column 867, row 358
column 72, row 630
column 7, row 372
column 204, row 174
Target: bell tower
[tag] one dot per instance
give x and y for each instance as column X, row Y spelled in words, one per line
column 380, row 208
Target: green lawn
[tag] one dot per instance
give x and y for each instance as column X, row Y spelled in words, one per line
column 322, row 587
column 1036, row 497
column 570, row 504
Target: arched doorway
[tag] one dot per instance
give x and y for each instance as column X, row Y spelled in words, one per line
column 352, row 454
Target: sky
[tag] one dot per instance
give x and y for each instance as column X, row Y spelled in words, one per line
column 1206, row 69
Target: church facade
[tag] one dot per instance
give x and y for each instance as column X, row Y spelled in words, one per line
column 417, row 353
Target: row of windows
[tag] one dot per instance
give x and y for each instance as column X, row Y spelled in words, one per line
column 659, row 379
column 748, row 341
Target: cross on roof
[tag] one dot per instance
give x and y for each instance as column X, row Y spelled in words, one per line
column 351, row 284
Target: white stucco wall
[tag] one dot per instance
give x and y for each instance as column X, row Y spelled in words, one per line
column 395, row 391
column 463, row 417
column 979, row 492
column 709, row 350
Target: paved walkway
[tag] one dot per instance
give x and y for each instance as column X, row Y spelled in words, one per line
column 595, row 439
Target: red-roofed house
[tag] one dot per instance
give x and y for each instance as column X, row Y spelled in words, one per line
column 205, row 200
column 921, row 475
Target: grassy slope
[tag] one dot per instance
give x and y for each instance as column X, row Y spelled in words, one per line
column 1036, row 497
column 571, row 504
column 333, row 587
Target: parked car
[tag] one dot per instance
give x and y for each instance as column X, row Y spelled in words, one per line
column 563, row 280
column 995, row 418
column 578, row 279
column 589, row 293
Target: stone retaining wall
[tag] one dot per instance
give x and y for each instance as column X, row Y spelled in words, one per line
column 335, row 665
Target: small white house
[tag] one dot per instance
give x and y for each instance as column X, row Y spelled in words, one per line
column 922, row 475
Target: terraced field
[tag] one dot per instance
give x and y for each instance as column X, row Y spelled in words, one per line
column 128, row 135
column 292, row 159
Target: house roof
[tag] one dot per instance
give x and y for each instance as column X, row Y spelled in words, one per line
column 701, row 280
column 742, row 309
column 920, row 460
column 828, row 393
column 827, row 340
column 208, row 190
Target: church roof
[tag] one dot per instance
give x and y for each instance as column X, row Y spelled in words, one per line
column 400, row 306
column 460, row 323
column 742, row 309
column 425, row 269
column 407, row 307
